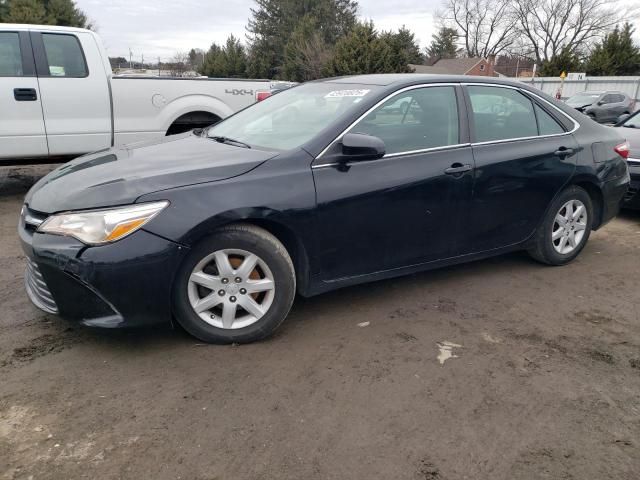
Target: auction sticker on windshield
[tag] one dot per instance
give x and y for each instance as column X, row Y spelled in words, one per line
column 346, row 93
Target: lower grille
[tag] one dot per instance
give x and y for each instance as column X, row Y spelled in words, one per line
column 37, row 288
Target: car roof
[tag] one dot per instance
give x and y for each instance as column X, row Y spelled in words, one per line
column 42, row 28
column 400, row 79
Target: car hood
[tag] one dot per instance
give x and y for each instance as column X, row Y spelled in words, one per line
column 119, row 176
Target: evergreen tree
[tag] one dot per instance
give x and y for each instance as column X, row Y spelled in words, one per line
column 65, row 13
column 274, row 21
column 404, row 47
column 443, row 44
column 25, row 11
column 227, row 61
column 48, row 12
column 361, row 51
column 616, row 54
column 306, row 53
column 566, row 61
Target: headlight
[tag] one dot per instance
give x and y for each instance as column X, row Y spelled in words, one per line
column 94, row 227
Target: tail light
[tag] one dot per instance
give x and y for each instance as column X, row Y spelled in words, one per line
column 261, row 95
column 623, row 149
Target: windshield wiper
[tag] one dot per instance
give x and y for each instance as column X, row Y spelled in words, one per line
column 230, row 141
column 630, row 125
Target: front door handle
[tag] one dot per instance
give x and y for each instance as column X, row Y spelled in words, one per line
column 25, row 94
column 563, row 152
column 457, row 169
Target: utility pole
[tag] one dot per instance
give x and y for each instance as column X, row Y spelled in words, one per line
column 159, row 66
column 130, row 58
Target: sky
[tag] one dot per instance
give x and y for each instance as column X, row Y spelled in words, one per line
column 156, row 28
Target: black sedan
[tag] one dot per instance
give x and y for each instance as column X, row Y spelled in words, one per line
column 316, row 188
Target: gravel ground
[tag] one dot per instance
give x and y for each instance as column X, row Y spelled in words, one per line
column 540, row 380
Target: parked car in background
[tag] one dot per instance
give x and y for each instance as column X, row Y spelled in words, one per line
column 319, row 187
column 603, row 107
column 59, row 98
column 630, row 129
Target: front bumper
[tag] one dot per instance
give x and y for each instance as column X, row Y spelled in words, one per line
column 632, row 198
column 124, row 284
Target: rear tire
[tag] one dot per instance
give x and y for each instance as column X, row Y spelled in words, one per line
column 238, row 300
column 565, row 229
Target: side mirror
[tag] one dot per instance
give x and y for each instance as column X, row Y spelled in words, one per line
column 600, row 102
column 622, row 118
column 358, row 147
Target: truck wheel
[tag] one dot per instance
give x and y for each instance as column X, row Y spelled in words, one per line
column 565, row 229
column 236, row 286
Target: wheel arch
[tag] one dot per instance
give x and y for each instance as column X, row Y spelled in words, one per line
column 287, row 235
column 597, row 199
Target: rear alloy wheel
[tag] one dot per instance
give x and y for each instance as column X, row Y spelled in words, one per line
column 236, row 286
column 565, row 229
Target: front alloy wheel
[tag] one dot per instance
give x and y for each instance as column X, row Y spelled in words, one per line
column 236, row 286
column 231, row 288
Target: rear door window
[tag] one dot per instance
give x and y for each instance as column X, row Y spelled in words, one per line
column 64, row 55
column 501, row 114
column 10, row 55
column 417, row 119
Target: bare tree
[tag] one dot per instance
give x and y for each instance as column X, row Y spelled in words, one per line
column 551, row 27
column 487, row 27
column 179, row 64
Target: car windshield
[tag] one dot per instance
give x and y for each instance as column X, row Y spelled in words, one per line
column 583, row 98
column 632, row 122
column 291, row 118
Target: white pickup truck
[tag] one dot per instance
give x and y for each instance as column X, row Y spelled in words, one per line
column 58, row 97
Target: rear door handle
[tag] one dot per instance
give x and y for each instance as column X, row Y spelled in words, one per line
column 564, row 152
column 25, row 94
column 457, row 168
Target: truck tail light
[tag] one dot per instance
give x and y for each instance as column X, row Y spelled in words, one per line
column 623, row 149
column 261, row 95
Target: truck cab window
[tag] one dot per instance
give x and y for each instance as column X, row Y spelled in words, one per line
column 10, row 56
column 64, row 56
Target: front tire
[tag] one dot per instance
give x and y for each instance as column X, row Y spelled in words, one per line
column 236, row 286
column 566, row 228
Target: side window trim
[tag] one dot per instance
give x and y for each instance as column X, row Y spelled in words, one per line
column 40, row 55
column 463, row 131
column 533, row 97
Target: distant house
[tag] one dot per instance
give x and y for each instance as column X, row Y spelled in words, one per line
column 459, row 66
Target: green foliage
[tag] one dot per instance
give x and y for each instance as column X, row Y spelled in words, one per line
column 47, row 12
column 566, row 61
column 274, row 21
column 443, row 44
column 404, row 48
column 227, row 61
column 616, row 54
column 362, row 51
column 25, row 11
column 306, row 53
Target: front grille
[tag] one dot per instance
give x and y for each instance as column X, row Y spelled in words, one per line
column 31, row 219
column 37, row 288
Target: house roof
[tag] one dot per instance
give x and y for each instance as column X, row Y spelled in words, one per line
column 451, row 66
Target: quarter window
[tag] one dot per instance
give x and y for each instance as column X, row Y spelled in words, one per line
column 546, row 123
column 417, row 119
column 64, row 55
column 501, row 113
column 10, row 56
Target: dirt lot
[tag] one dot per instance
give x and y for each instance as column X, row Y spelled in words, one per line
column 544, row 382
